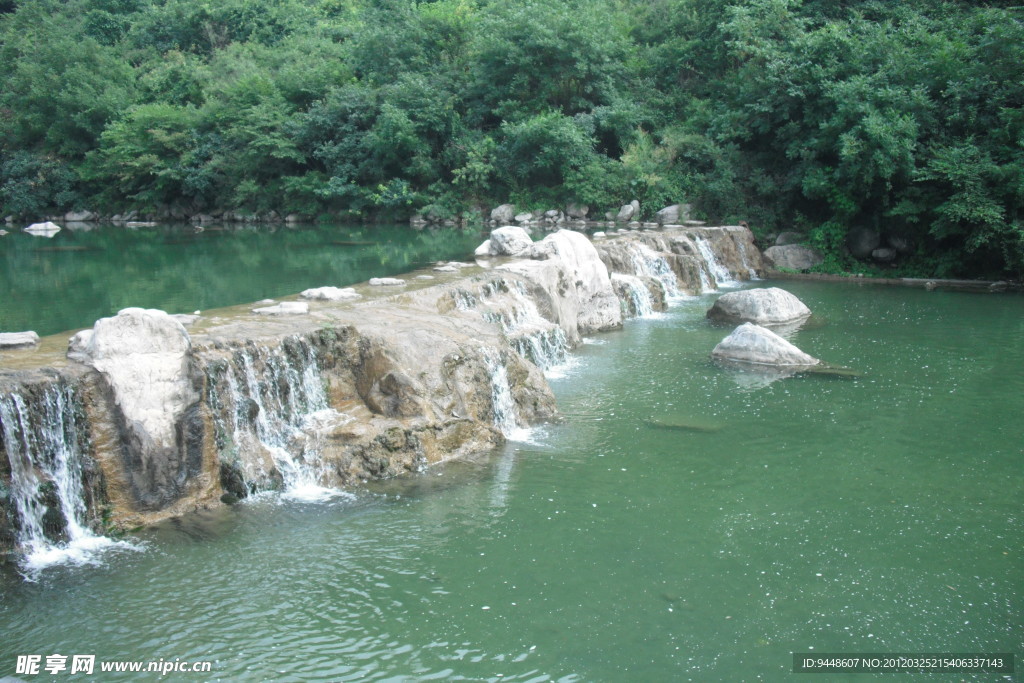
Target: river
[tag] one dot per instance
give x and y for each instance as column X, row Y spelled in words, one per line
column 682, row 522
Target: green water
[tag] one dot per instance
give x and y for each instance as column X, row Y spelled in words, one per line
column 76, row 277
column 878, row 514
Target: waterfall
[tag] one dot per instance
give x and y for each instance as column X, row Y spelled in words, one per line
column 536, row 339
column 640, row 303
column 506, row 418
column 275, row 399
column 646, row 261
column 46, row 448
column 719, row 273
column 742, row 247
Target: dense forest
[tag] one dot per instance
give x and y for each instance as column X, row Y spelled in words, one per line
column 816, row 116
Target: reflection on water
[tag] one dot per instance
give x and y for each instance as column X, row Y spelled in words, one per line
column 670, row 527
column 78, row 276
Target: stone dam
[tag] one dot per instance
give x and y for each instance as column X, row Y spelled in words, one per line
column 148, row 416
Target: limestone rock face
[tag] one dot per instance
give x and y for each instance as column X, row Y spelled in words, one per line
column 148, row 395
column 793, row 256
column 504, row 213
column 575, row 283
column 509, row 240
column 761, row 306
column 750, row 343
column 144, row 356
column 18, row 340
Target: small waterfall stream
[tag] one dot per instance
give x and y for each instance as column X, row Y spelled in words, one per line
column 646, row 261
column 720, row 274
column 640, row 303
column 536, row 339
column 46, row 446
column 275, row 398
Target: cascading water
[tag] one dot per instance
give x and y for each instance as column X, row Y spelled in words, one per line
column 641, row 304
column 646, row 261
column 719, row 273
column 506, row 418
column 283, row 407
column 742, row 248
column 539, row 341
column 46, row 447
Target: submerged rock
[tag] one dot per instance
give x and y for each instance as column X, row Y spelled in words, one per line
column 750, row 343
column 18, row 340
column 761, row 306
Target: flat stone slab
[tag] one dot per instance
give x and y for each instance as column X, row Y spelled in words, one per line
column 284, row 308
column 386, row 282
column 18, row 340
column 330, row 294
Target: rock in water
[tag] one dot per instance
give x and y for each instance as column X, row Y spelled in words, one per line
column 46, row 229
column 386, row 282
column 750, row 343
column 509, row 240
column 18, row 340
column 761, row 306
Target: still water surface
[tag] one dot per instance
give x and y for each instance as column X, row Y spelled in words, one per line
column 869, row 515
column 78, row 276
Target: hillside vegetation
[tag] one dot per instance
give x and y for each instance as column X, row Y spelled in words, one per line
column 816, row 116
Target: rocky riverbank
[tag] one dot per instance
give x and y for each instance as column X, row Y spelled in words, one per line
column 152, row 415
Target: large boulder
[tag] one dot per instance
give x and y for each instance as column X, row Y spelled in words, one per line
column 628, row 212
column 18, row 340
column 862, row 241
column 761, row 306
column 750, row 343
column 577, row 211
column 671, row 215
column 503, row 214
column 509, row 240
column 793, row 256
column 576, row 288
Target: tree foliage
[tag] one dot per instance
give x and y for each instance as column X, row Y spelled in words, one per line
column 819, row 115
